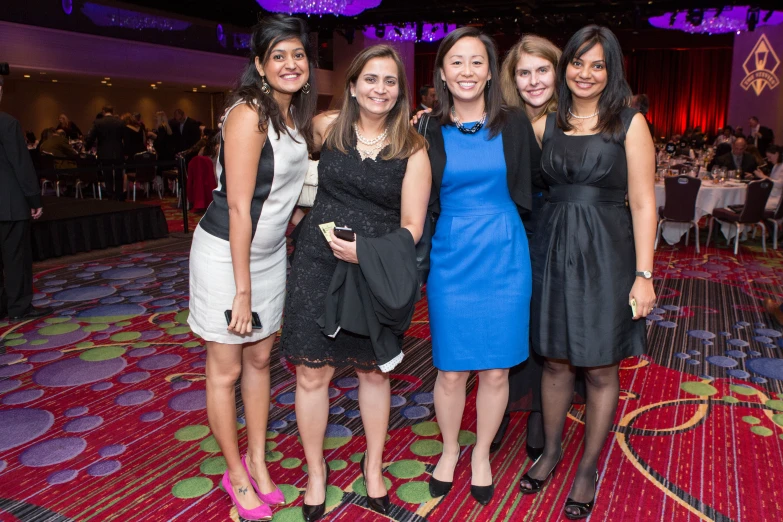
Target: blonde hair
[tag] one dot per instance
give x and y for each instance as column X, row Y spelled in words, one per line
column 404, row 141
column 535, row 46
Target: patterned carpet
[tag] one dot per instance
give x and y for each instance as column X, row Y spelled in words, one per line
column 102, row 409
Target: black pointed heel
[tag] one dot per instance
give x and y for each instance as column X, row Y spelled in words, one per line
column 482, row 494
column 584, row 508
column 536, row 484
column 311, row 513
column 378, row 504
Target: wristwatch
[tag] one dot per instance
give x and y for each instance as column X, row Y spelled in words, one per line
column 644, row 273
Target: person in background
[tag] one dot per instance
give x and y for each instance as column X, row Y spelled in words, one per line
column 641, row 102
column 737, row 159
column 108, row 132
column 427, row 97
column 186, row 131
column 725, row 135
column 32, row 141
column 20, row 200
column 57, row 144
column 595, row 256
column 758, row 135
column 72, row 131
column 163, row 137
column 140, row 122
column 134, row 139
column 775, row 161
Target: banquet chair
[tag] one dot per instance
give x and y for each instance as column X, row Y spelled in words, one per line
column 680, row 207
column 88, row 177
column 49, row 175
column 775, row 217
column 145, row 174
column 201, row 182
column 752, row 213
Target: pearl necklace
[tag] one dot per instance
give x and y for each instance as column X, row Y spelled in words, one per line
column 582, row 117
column 465, row 130
column 375, row 144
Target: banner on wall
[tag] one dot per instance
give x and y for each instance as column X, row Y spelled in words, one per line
column 756, row 73
column 760, row 67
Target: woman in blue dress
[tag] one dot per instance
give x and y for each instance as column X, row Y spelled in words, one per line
column 481, row 154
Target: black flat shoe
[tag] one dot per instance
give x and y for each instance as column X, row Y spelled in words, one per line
column 482, row 494
column 584, row 508
column 533, row 452
column 498, row 440
column 378, row 504
column 535, row 484
column 313, row 513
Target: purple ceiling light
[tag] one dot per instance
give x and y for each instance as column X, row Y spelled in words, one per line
column 107, row 16
column 717, row 21
column 319, row 7
column 407, row 33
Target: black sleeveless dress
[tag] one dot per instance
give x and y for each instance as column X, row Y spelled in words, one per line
column 583, row 254
column 364, row 195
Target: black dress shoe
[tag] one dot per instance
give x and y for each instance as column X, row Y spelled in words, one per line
column 312, row 513
column 482, row 494
column 498, row 440
column 378, row 504
column 32, row 313
column 583, row 508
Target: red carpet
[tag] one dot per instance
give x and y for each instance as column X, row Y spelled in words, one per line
column 102, row 410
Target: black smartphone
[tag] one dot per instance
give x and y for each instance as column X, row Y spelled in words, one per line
column 344, row 233
column 255, row 321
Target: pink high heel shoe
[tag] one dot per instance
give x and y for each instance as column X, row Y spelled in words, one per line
column 275, row 498
column 262, row 512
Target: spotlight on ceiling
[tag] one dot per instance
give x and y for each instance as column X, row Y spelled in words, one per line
column 695, row 17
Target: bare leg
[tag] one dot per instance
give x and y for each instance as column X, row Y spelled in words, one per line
column 603, row 392
column 255, row 396
column 374, row 405
column 312, row 415
column 491, row 402
column 557, row 391
column 224, row 365
column 449, row 404
column 297, row 216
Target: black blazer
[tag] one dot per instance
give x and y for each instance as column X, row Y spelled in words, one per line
column 191, row 133
column 520, row 148
column 749, row 163
column 766, row 139
column 19, row 190
column 109, row 132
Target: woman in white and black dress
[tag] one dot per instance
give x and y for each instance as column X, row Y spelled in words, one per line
column 238, row 257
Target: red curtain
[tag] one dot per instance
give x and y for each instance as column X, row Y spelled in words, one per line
column 424, row 64
column 687, row 88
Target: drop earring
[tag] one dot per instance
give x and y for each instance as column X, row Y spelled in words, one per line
column 265, row 86
column 306, row 88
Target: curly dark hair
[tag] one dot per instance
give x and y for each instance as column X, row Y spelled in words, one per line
column 272, row 30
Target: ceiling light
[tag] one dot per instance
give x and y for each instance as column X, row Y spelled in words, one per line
column 103, row 81
column 26, row 75
column 203, row 86
column 153, row 85
column 159, row 83
column 41, row 72
column 54, row 81
column 106, row 78
column 108, row 84
column 195, row 90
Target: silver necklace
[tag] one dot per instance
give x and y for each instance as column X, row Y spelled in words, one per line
column 582, row 117
column 468, row 130
column 375, row 145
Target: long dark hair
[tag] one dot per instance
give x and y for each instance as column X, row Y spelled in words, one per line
column 493, row 96
column 617, row 93
column 403, row 138
column 272, row 30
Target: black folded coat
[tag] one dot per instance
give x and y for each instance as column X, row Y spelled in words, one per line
column 376, row 297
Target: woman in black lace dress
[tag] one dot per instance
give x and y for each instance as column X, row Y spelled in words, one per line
column 374, row 177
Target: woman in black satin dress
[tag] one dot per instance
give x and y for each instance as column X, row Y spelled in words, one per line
column 596, row 253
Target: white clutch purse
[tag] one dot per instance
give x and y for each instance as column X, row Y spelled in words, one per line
column 310, row 187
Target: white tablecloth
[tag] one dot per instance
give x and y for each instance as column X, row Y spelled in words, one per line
column 710, row 197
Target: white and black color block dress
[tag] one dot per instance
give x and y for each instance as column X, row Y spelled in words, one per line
column 281, row 171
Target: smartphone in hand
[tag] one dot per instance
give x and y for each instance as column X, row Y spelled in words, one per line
column 344, row 233
column 255, row 321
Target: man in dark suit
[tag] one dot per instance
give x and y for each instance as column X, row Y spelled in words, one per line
column 737, row 159
column 185, row 132
column 108, row 132
column 20, row 199
column 761, row 137
column 427, row 98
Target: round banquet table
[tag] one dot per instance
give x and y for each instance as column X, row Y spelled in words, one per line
column 710, row 197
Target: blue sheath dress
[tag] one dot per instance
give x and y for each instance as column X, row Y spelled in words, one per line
column 480, row 280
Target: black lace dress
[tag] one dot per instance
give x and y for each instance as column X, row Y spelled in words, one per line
column 364, row 195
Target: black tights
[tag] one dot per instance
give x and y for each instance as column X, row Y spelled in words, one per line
column 557, row 391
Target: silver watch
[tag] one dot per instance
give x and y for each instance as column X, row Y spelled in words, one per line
column 644, row 273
